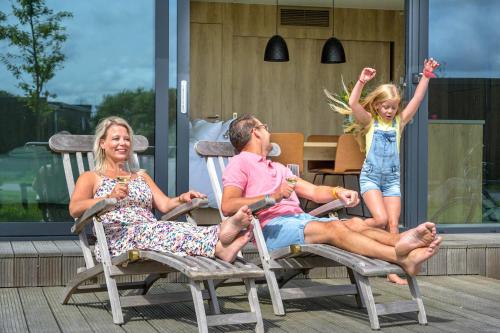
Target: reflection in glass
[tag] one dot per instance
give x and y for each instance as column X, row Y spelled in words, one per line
column 107, row 69
column 464, row 161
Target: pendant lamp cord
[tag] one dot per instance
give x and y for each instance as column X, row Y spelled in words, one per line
column 333, row 18
column 277, row 8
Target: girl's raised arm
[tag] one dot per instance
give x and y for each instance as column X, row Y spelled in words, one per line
column 409, row 111
column 362, row 116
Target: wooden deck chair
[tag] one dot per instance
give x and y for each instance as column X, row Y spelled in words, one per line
column 281, row 265
column 198, row 270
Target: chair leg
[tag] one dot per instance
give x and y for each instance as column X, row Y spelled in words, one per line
column 415, row 292
column 359, row 299
column 214, row 302
column 274, row 292
column 253, row 300
column 367, row 295
column 199, row 308
column 114, row 297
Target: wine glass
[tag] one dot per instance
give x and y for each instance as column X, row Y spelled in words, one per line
column 294, row 168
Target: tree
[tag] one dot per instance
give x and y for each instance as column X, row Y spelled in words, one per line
column 135, row 106
column 37, row 39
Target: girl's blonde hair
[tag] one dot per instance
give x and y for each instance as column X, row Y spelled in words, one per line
column 100, row 133
column 382, row 93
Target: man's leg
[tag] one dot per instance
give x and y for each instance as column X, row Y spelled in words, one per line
column 423, row 234
column 339, row 235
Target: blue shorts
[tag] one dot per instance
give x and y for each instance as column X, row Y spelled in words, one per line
column 386, row 182
column 288, row 229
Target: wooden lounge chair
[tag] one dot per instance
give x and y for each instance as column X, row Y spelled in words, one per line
column 154, row 264
column 281, row 265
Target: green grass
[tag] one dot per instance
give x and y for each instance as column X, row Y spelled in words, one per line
column 17, row 213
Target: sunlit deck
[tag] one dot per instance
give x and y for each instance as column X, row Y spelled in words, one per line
column 453, row 304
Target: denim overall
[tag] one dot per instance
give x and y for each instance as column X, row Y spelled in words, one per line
column 381, row 167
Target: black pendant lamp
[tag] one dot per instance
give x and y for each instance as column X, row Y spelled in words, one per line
column 333, row 51
column 276, row 49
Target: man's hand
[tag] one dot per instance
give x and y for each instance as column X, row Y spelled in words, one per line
column 349, row 198
column 284, row 191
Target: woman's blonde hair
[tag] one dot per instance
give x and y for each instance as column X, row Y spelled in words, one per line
column 100, row 133
column 382, row 93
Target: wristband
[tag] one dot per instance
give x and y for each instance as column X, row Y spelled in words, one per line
column 335, row 191
column 429, row 74
column 362, row 81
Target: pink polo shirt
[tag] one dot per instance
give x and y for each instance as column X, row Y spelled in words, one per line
column 255, row 176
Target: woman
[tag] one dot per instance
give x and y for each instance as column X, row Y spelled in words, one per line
column 131, row 224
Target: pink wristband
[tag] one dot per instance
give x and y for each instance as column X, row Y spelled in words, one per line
column 362, row 81
column 428, row 74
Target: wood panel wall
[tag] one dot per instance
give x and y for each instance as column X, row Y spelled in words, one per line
column 228, row 73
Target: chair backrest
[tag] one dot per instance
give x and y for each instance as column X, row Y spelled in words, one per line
column 292, row 148
column 80, row 145
column 348, row 156
column 311, row 164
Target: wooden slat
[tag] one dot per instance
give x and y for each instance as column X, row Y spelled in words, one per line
column 26, row 264
column 79, row 163
column 476, row 259
column 68, row 173
column 37, row 311
column 84, row 143
column 11, row 312
column 50, row 260
column 90, row 159
column 6, row 265
column 456, row 259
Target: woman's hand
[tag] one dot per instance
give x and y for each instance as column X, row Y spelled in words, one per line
column 188, row 196
column 119, row 192
column 429, row 66
column 367, row 74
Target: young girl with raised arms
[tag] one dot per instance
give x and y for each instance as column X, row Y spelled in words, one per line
column 383, row 120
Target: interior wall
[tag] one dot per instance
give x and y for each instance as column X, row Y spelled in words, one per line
column 228, row 73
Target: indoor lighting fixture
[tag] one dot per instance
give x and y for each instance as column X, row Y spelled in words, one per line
column 276, row 49
column 333, row 51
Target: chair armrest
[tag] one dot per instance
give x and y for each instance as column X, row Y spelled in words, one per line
column 328, row 207
column 87, row 217
column 185, row 208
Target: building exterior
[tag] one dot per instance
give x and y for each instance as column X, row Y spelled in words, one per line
column 181, row 64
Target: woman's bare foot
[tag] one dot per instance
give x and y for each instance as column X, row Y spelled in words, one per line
column 412, row 262
column 231, row 227
column 394, row 278
column 421, row 236
column 229, row 252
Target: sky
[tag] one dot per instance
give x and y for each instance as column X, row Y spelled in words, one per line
column 111, row 45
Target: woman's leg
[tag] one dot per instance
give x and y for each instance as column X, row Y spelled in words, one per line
column 231, row 227
column 228, row 252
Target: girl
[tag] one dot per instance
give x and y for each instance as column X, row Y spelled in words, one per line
column 380, row 116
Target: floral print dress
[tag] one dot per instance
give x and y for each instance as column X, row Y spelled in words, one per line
column 132, row 225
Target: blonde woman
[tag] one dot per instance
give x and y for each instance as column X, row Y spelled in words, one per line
column 131, row 224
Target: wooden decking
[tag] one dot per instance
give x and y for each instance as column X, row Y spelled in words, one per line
column 453, row 304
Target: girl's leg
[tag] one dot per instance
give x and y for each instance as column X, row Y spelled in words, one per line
column 375, row 203
column 393, row 208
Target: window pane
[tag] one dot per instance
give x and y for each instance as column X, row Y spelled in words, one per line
column 105, row 66
column 464, row 156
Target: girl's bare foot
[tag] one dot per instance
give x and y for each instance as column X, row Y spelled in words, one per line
column 421, row 236
column 229, row 252
column 231, row 227
column 412, row 262
column 394, row 278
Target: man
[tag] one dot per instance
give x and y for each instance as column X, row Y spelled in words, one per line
column 250, row 177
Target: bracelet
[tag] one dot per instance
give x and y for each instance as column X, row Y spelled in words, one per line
column 362, row 81
column 335, row 191
column 429, row 74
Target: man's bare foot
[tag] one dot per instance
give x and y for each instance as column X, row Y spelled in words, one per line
column 229, row 252
column 412, row 262
column 421, row 236
column 231, row 227
column 394, row 278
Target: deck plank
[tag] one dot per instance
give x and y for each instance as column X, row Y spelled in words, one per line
column 68, row 317
column 37, row 311
column 11, row 312
column 96, row 314
column 6, row 265
column 26, row 264
column 72, row 258
column 50, row 258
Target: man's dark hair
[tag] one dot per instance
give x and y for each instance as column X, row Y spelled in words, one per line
column 240, row 131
